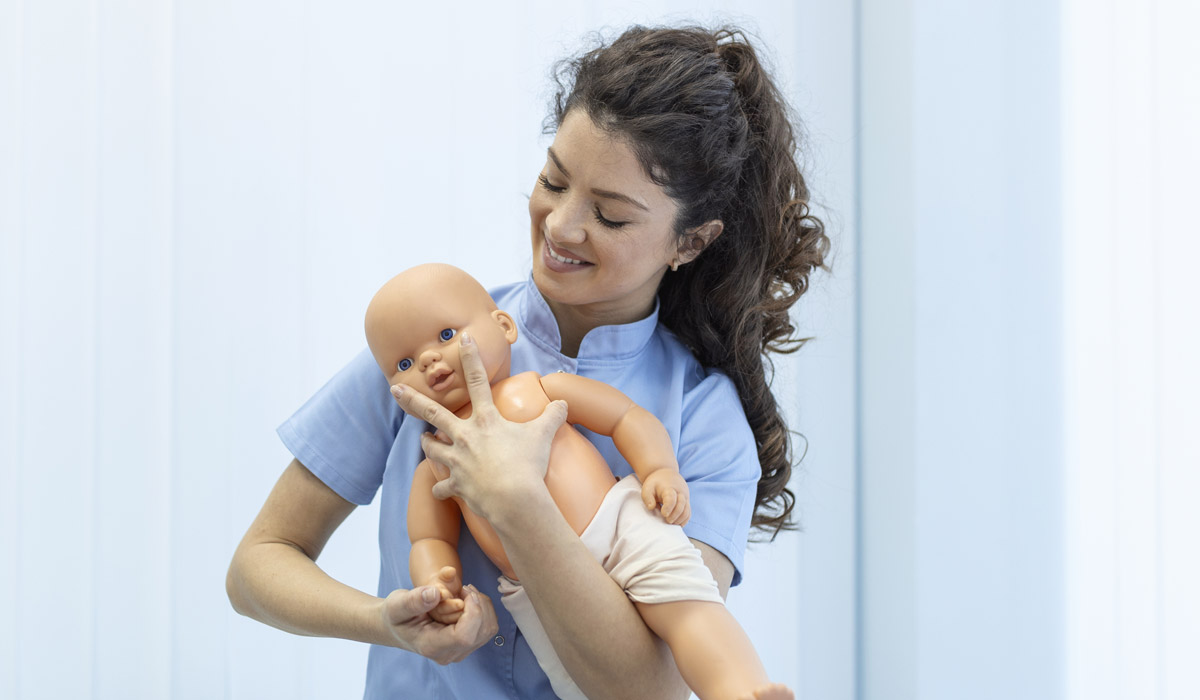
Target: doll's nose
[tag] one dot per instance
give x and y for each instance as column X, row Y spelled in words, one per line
column 427, row 358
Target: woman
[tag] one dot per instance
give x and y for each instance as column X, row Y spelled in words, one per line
column 670, row 237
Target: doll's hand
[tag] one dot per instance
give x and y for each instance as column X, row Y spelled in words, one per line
column 449, row 588
column 667, row 487
column 406, row 616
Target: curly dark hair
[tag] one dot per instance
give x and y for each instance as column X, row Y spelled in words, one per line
column 708, row 124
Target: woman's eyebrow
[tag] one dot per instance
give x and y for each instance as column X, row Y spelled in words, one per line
column 607, row 194
column 557, row 163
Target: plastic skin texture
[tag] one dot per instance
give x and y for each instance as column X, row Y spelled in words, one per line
column 412, row 327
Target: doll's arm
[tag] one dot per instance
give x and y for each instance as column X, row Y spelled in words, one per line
column 638, row 435
column 433, row 528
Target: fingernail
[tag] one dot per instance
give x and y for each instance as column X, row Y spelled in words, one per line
column 467, row 339
column 397, row 390
column 428, row 594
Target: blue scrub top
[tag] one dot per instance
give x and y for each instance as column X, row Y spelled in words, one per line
column 353, row 436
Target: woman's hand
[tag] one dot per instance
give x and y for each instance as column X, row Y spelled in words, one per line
column 493, row 463
column 406, row 615
column 274, row 579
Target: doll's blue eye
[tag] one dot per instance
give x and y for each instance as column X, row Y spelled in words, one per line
column 447, row 334
column 404, row 364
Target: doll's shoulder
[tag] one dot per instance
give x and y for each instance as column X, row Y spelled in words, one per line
column 520, row 397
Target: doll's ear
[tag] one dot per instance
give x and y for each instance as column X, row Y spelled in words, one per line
column 506, row 322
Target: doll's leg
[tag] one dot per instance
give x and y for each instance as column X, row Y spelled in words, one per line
column 712, row 651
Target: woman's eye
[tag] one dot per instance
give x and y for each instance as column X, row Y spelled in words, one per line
column 608, row 223
column 446, row 334
column 545, row 183
column 404, row 364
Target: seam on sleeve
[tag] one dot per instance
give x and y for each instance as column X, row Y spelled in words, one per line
column 321, row 467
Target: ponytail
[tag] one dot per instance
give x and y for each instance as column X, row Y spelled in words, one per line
column 710, row 126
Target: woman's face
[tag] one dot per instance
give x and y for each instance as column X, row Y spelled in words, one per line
column 602, row 230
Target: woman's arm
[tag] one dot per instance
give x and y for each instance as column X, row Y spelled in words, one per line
column 274, row 578
column 498, row 468
column 599, row 636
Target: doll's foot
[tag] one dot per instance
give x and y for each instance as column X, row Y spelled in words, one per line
column 775, row 691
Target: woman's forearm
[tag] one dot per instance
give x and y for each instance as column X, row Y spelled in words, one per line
column 596, row 630
column 274, row 578
column 278, row 584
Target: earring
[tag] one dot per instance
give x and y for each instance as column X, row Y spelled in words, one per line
column 675, row 265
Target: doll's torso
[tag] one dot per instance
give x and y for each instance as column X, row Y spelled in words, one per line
column 577, row 477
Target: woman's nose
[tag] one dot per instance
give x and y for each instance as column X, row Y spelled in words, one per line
column 565, row 223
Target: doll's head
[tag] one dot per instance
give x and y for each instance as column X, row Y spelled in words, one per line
column 413, row 326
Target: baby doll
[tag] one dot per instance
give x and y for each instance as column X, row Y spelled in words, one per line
column 412, row 326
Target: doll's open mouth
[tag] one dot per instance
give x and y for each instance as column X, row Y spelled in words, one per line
column 441, row 379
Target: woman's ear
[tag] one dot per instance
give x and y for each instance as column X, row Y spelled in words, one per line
column 506, row 322
column 695, row 241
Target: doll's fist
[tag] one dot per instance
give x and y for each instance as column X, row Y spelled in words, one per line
column 666, row 491
column 449, row 588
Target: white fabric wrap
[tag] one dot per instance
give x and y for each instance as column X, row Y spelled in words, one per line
column 652, row 561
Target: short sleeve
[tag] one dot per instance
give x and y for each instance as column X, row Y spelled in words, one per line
column 343, row 434
column 719, row 459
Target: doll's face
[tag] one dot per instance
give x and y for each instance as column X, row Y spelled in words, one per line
column 414, row 328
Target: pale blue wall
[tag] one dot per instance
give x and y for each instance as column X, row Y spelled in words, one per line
column 198, row 197
column 961, row 381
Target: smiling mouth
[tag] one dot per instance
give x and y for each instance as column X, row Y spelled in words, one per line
column 562, row 258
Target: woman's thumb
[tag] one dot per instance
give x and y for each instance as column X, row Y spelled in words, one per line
column 554, row 416
column 405, row 605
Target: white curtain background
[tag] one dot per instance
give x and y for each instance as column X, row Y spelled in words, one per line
column 1132, row 348
column 1029, row 460
column 197, row 200
column 961, row 585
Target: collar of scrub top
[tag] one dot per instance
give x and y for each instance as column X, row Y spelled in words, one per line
column 604, row 343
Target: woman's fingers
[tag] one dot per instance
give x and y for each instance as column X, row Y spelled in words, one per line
column 443, row 489
column 478, row 387
column 424, row 408
column 436, row 450
column 439, row 453
column 478, row 622
column 552, row 418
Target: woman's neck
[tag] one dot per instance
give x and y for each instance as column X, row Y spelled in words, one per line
column 575, row 322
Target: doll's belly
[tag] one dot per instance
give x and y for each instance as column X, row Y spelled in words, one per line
column 578, row 478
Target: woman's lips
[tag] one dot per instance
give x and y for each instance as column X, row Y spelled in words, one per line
column 556, row 264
